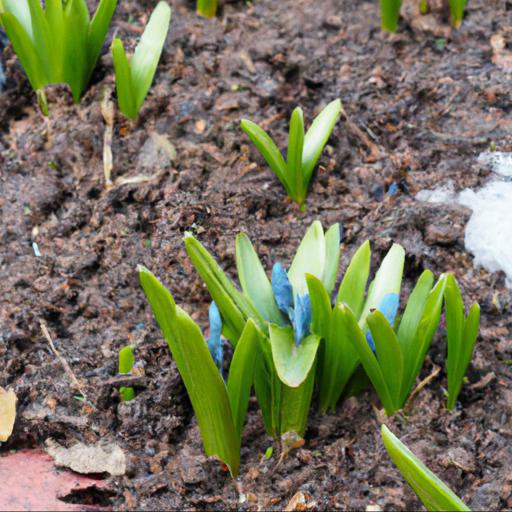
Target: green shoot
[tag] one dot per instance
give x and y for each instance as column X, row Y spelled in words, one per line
column 390, row 13
column 57, row 44
column 304, row 149
column 206, row 8
column 461, row 334
column 134, row 76
column 431, row 490
column 392, row 360
column 220, row 407
column 457, row 11
column 423, row 6
column 126, row 362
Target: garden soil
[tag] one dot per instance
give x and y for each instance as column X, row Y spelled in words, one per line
column 419, row 105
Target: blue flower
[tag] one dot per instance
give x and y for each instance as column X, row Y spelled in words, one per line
column 297, row 310
column 389, row 308
column 282, row 289
column 301, row 320
column 214, row 341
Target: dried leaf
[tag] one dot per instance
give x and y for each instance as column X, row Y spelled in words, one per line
column 101, row 458
column 7, row 413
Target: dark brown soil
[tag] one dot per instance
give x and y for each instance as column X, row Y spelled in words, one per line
column 419, row 109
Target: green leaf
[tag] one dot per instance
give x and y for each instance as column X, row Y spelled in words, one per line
column 332, row 257
column 309, row 258
column 205, row 387
column 457, row 11
column 126, row 360
column 76, row 59
column 367, row 357
column 295, row 405
column 254, row 280
column 234, row 307
column 316, row 138
column 147, row 54
column 389, row 355
column 25, row 51
column 390, row 13
column 55, row 19
column 353, row 286
column 432, row 491
column 241, row 373
column 292, row 363
column 339, row 359
column 21, row 11
column 416, row 342
column 207, row 8
column 461, row 337
column 294, row 160
column 269, row 151
column 42, row 38
column 387, row 280
column 97, row 32
column 124, row 86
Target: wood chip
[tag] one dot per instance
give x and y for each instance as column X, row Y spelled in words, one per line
column 7, row 413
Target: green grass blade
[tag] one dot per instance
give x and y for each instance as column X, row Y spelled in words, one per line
column 294, row 159
column 367, row 357
column 241, row 374
column 269, row 151
column 206, row 8
column 292, row 362
column 332, row 257
column 389, row 354
column 416, row 349
column 309, row 258
column 254, row 280
column 126, row 362
column 124, row 86
column 76, row 21
column 390, row 13
column 387, row 280
column 235, row 308
column 457, row 11
column 205, row 387
column 25, row 51
column 431, row 490
column 147, row 54
column 316, row 138
column 98, row 29
column 353, row 286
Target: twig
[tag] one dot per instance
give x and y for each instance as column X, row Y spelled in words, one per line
column 107, row 111
column 425, row 382
column 63, row 362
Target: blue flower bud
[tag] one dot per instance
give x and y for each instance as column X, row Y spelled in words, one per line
column 214, row 341
column 282, row 289
column 389, row 308
column 301, row 318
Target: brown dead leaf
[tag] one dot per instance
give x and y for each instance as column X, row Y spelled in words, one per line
column 7, row 413
column 100, row 458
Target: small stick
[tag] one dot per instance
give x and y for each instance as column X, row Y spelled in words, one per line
column 425, row 382
column 63, row 362
column 107, row 111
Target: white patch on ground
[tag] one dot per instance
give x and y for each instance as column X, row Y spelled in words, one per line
column 489, row 230
column 498, row 161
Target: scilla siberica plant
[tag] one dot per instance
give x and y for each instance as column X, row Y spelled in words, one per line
column 58, row 44
column 287, row 334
